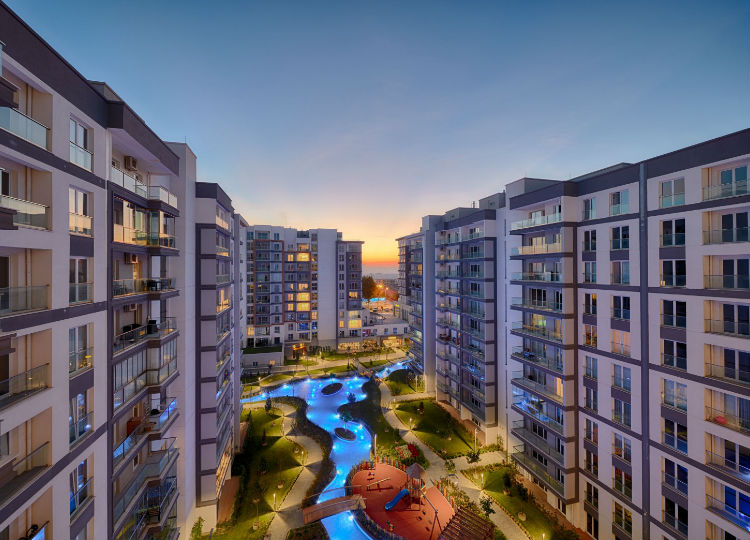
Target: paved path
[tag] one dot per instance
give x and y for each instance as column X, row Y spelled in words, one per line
column 289, row 515
column 437, row 467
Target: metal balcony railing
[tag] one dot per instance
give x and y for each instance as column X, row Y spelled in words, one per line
column 729, row 328
column 728, row 511
column 80, row 428
column 727, row 373
column 522, row 380
column 124, row 287
column 728, row 465
column 728, row 419
column 537, row 331
column 552, row 362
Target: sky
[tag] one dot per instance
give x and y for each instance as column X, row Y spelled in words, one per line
column 365, row 116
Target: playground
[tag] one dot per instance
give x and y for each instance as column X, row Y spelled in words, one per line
column 417, row 512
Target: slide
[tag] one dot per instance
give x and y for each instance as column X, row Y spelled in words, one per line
column 394, row 502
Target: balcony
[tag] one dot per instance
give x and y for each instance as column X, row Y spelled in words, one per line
column 474, row 312
column 728, row 465
column 535, row 409
column 20, row 299
column 668, row 201
column 728, row 512
column 80, row 293
column 674, row 483
column 448, row 323
column 727, row 281
column 80, row 156
column 82, row 496
column 674, row 523
column 128, row 235
column 728, row 419
column 22, row 471
column 447, row 275
column 448, row 240
column 537, row 331
column 678, row 443
column 538, row 470
column 23, row 385
column 222, row 278
column 451, row 291
column 522, row 432
column 531, row 303
column 478, row 333
column 554, row 363
column 125, row 287
column 474, row 351
column 727, row 328
column 23, row 126
column 728, row 373
column 547, row 277
column 726, row 236
column 80, row 224
column 148, row 426
column 28, row 214
column 589, row 277
column 536, row 221
column 126, row 181
column 722, row 191
column 472, row 255
column 80, row 428
column 155, row 329
column 520, row 379
column 448, row 389
column 536, row 249
column 670, row 360
column 80, row 361
column 160, row 193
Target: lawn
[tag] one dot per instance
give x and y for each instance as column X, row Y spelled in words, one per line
column 307, row 361
column 436, row 428
column 261, row 469
column 403, row 381
column 537, row 523
column 369, row 412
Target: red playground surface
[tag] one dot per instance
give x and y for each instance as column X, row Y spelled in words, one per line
column 411, row 518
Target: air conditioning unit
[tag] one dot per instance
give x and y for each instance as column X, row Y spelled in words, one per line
column 129, row 307
column 131, row 258
column 131, row 163
column 116, row 164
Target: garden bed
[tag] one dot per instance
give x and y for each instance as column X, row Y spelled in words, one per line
column 345, row 434
column 331, row 389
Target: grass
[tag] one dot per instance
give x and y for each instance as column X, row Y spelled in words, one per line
column 277, row 456
column 308, row 361
column 537, row 523
column 437, row 428
column 403, row 381
column 369, row 412
column 359, row 354
column 258, row 350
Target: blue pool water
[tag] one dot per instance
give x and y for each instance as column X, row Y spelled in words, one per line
column 322, row 410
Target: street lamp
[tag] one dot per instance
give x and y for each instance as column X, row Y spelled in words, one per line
column 475, row 439
column 375, row 445
column 482, row 480
column 274, row 501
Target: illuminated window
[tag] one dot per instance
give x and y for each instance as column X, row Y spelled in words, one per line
column 341, row 324
column 289, row 297
column 303, row 306
column 303, row 256
column 290, row 307
column 353, row 294
column 303, row 297
column 355, row 323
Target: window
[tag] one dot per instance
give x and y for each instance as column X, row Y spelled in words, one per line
column 592, row 494
column 79, row 210
column 589, row 303
column 589, row 240
column 589, row 272
column 674, row 313
column 672, row 193
column 590, row 367
column 675, row 516
column 674, row 395
column 675, row 476
column 623, row 518
column 675, row 435
column 80, row 152
column 621, row 377
column 623, row 482
column 591, row 400
column 80, row 355
column 674, row 354
column 79, row 487
column 591, row 462
column 734, row 228
column 673, row 232
column 673, row 273
column 589, row 335
column 618, row 203
column 622, row 447
column 621, row 307
column 620, row 342
column 620, row 237
column 621, row 412
column 78, row 418
column 592, row 526
column 591, row 431
column 80, row 286
column 589, row 208
column 621, row 272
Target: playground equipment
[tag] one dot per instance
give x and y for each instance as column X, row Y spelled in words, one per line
column 394, row 502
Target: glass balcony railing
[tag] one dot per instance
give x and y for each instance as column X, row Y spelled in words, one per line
column 535, row 221
column 159, row 374
column 623, row 487
column 447, row 240
column 678, row 443
column 525, row 434
column 728, row 511
column 673, row 321
column 674, row 523
column 728, row 328
column 524, row 381
column 535, row 408
column 23, row 385
column 128, row 235
column 532, row 303
column 23, row 470
column 448, row 323
column 729, row 465
column 722, row 191
column 80, row 428
column 124, row 180
column 674, row 239
column 124, row 287
column 80, row 361
column 157, row 419
column 25, row 127
column 28, row 214
column 160, row 193
column 538, row 470
column 623, row 383
column 621, row 314
column 80, row 156
column 452, row 291
column 672, row 280
column 675, row 483
column 472, row 255
column 537, row 249
column 589, row 277
column 728, row 373
column 548, row 277
column 727, row 281
column 728, row 419
column 622, row 349
column 80, row 224
column 553, row 361
column 20, row 299
column 668, row 201
column 222, row 278
column 726, row 236
column 618, row 209
column 154, row 329
column 623, row 524
column 80, row 293
column 619, row 279
column 537, row 331
column 673, row 361
column 222, row 250
column 83, row 495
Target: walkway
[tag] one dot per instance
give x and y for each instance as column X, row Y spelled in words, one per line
column 289, row 515
column 437, row 466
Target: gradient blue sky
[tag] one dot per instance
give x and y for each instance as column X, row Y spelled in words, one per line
column 367, row 115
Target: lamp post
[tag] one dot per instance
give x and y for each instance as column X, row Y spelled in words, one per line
column 375, row 444
column 274, row 501
column 482, row 481
column 475, row 439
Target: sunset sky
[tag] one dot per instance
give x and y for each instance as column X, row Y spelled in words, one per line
column 364, row 116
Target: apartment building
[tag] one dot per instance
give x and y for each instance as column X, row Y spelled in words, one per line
column 620, row 293
column 119, row 278
column 409, row 285
column 303, row 289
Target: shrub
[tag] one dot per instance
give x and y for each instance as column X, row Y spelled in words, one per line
column 472, row 456
column 197, row 531
column 485, row 503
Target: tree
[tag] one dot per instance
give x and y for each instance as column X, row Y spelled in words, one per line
column 369, row 288
column 485, row 503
